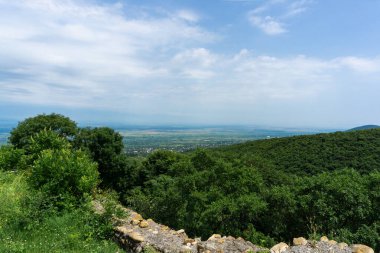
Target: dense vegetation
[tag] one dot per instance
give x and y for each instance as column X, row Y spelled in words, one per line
column 264, row 191
column 46, row 189
column 267, row 190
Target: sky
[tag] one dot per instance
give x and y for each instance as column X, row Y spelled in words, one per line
column 281, row 63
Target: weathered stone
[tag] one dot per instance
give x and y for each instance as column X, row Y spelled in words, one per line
column 324, row 239
column 123, row 230
column 360, row 248
column 136, row 216
column 186, row 249
column 278, row 248
column 188, row 240
column 163, row 239
column 180, row 231
column 222, row 240
column 135, row 222
column 164, row 228
column 136, row 237
column 342, row 245
column 299, row 241
column 214, row 237
column 144, row 224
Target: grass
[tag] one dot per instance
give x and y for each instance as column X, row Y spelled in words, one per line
column 23, row 229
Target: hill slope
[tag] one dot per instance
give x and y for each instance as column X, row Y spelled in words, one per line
column 268, row 190
column 312, row 154
column 366, row 127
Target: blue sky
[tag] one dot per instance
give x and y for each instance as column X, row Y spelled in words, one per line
column 291, row 63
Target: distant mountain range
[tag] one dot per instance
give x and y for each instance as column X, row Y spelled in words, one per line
column 365, row 127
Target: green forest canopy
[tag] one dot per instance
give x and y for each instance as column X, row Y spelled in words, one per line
column 264, row 191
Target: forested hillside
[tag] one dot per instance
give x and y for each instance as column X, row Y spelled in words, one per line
column 268, row 190
column 312, row 154
column 264, row 191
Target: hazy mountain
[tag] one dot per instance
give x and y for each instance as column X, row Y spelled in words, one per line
column 365, row 127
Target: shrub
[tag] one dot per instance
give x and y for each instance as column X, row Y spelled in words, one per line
column 11, row 159
column 66, row 174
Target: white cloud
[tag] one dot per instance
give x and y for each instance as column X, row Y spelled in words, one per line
column 267, row 24
column 359, row 64
column 297, row 7
column 188, row 15
column 82, row 55
column 274, row 24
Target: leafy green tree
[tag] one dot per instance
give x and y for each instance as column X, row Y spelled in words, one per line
column 158, row 163
column 46, row 139
column 63, row 126
column 105, row 146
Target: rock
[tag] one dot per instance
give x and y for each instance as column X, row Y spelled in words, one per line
column 186, row 249
column 324, row 239
column 214, row 237
column 136, row 216
column 143, row 224
column 188, row 240
column 278, row 248
column 299, row 241
column 123, row 230
column 164, row 228
column 180, row 231
column 136, row 237
column 332, row 242
column 360, row 248
column 222, row 240
column 342, row 245
column 135, row 222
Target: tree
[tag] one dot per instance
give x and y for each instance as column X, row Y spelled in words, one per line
column 63, row 126
column 104, row 146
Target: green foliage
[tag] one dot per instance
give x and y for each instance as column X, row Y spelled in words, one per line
column 45, row 198
column 11, row 159
column 313, row 154
column 265, row 190
column 69, row 175
column 28, row 224
column 46, row 139
column 13, row 188
column 105, row 147
column 63, row 126
column 181, row 192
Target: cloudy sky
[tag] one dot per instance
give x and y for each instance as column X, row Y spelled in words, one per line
column 295, row 63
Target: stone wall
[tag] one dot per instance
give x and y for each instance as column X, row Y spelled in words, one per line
column 135, row 235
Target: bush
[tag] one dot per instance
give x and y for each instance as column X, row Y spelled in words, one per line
column 66, row 174
column 11, row 159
